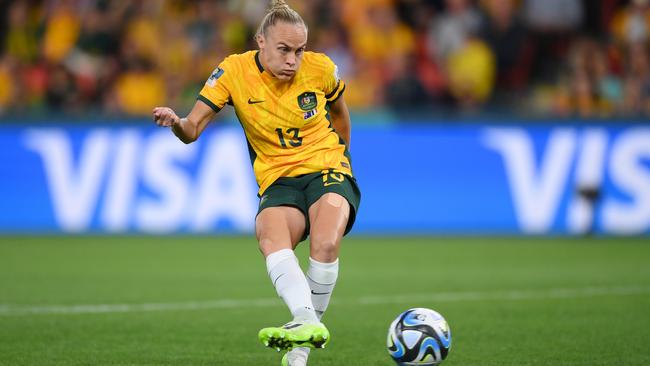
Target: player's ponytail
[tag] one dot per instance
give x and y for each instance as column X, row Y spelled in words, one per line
column 279, row 11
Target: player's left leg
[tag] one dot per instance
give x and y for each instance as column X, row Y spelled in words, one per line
column 329, row 218
column 333, row 201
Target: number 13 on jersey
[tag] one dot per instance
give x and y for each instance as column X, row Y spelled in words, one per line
column 293, row 135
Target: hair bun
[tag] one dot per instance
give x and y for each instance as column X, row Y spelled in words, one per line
column 278, row 4
column 279, row 11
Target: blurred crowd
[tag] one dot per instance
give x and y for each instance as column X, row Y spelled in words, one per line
column 550, row 58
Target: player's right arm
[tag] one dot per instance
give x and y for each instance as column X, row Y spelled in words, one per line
column 214, row 95
column 187, row 129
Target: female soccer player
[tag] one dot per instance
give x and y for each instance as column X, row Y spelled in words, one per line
column 297, row 125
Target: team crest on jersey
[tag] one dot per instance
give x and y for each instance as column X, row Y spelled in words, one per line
column 307, row 101
column 216, row 74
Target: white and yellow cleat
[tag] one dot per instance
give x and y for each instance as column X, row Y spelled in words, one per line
column 295, row 334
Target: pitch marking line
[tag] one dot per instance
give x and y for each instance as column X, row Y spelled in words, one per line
column 555, row 293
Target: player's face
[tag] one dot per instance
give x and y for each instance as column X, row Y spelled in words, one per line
column 282, row 48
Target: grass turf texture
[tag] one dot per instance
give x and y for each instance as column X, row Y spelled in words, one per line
column 501, row 296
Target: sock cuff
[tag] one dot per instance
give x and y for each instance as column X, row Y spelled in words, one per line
column 323, row 273
column 276, row 258
column 317, row 264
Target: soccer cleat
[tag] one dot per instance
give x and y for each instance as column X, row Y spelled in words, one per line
column 295, row 334
column 296, row 357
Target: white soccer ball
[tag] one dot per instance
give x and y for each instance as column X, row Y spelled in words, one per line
column 419, row 336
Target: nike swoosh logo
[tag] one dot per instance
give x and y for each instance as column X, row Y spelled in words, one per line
column 251, row 101
column 330, row 183
column 276, row 280
column 319, row 293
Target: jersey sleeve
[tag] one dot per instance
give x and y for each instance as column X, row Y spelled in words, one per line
column 334, row 86
column 216, row 90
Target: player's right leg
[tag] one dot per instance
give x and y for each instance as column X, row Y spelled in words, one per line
column 278, row 230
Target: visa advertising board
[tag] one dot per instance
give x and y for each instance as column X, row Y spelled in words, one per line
column 456, row 179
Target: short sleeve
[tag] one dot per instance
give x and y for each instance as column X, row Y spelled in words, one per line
column 216, row 91
column 334, row 86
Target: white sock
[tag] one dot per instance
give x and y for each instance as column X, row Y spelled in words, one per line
column 322, row 279
column 298, row 356
column 290, row 283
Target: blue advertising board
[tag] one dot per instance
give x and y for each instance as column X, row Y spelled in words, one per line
column 415, row 179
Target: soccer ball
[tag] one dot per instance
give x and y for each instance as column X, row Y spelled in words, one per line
column 419, row 337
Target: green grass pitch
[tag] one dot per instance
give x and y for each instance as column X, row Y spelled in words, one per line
column 201, row 300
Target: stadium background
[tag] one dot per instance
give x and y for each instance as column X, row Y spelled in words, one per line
column 545, row 103
column 502, row 148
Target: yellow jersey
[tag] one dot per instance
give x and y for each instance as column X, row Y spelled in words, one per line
column 286, row 123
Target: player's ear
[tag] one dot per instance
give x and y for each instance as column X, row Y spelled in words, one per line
column 260, row 41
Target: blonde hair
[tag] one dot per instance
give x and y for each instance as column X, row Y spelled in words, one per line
column 279, row 11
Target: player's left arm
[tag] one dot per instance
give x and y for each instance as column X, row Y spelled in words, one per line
column 340, row 116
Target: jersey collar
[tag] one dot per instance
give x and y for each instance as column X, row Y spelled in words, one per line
column 257, row 61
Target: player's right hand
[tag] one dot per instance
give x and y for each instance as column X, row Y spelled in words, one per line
column 165, row 117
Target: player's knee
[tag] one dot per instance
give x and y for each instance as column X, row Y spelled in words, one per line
column 324, row 248
column 267, row 246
